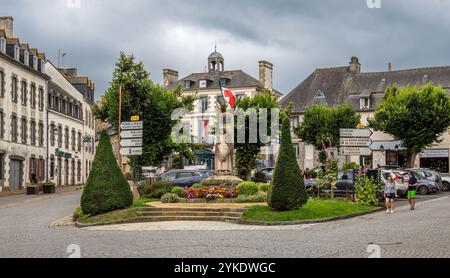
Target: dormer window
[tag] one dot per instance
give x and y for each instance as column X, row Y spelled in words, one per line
column 35, row 62
column 17, row 53
column 364, row 103
column 26, row 57
column 223, row 82
column 2, row 45
column 42, row 65
column 319, row 94
column 202, row 84
column 187, row 84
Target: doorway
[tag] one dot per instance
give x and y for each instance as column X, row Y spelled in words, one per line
column 16, row 175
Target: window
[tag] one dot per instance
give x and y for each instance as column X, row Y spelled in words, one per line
column 14, row 128
column 2, row 166
column 23, row 92
column 33, row 96
column 73, row 140
column 41, row 134
column 187, row 84
column 41, row 99
column 66, row 138
column 26, row 57
column 204, row 104
column 35, row 62
column 17, row 53
column 295, row 122
column 70, row 109
column 33, row 173
column 23, row 131
column 79, row 171
column 52, row 135
column 223, row 82
column 2, row 83
column 14, row 93
column 364, row 103
column 33, row 133
column 2, row 45
column 79, row 142
column 2, row 124
column 319, row 94
column 202, row 84
column 297, row 150
column 60, row 140
column 42, row 62
column 52, row 167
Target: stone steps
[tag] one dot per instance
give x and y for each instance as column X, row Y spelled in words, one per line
column 191, row 214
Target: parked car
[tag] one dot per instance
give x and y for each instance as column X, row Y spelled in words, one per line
column 264, row 175
column 185, row 178
column 430, row 175
column 445, row 183
column 424, row 186
column 399, row 179
column 345, row 184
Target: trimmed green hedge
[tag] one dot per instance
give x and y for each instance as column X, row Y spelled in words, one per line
column 247, row 188
column 288, row 189
column 106, row 189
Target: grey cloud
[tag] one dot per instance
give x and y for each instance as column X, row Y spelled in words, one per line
column 297, row 36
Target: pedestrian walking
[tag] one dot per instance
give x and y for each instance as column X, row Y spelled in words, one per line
column 412, row 190
column 390, row 193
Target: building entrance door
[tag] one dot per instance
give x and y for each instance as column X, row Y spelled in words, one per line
column 15, row 180
column 59, row 171
column 66, row 172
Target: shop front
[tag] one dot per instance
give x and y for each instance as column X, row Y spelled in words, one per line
column 435, row 159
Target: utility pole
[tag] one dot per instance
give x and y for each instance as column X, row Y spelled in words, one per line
column 120, row 124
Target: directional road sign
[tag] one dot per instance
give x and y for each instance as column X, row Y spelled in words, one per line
column 131, row 143
column 131, row 151
column 132, row 125
column 350, row 133
column 355, row 151
column 132, row 134
column 356, row 142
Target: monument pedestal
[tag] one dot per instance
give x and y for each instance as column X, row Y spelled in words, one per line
column 222, row 180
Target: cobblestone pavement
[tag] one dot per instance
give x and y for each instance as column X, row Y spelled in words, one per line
column 26, row 231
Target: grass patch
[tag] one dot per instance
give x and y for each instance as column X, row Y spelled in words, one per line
column 116, row 215
column 143, row 202
column 314, row 209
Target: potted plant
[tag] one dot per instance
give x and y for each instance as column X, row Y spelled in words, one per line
column 49, row 188
column 32, row 189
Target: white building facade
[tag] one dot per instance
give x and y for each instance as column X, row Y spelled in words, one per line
column 23, row 84
column 71, row 131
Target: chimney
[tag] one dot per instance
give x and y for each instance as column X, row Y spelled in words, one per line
column 6, row 23
column 266, row 74
column 355, row 66
column 170, row 77
column 389, row 67
column 70, row 72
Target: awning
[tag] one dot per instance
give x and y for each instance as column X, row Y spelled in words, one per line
column 387, row 145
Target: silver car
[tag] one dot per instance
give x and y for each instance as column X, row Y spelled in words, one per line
column 430, row 175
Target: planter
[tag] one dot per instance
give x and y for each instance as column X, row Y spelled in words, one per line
column 32, row 190
column 49, row 188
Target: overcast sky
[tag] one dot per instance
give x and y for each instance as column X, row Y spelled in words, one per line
column 297, row 36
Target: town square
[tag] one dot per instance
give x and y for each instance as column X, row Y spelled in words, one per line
column 224, row 129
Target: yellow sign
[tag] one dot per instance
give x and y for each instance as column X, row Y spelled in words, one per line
column 361, row 126
column 135, row 118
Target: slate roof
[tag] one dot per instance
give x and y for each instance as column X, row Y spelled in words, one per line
column 342, row 86
column 235, row 79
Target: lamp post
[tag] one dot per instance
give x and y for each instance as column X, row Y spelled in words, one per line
column 396, row 151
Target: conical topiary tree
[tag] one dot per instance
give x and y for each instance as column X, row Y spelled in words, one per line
column 288, row 189
column 107, row 189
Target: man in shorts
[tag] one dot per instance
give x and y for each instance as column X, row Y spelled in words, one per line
column 412, row 190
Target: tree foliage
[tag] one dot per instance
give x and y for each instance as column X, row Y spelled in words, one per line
column 416, row 116
column 247, row 153
column 106, row 189
column 153, row 103
column 288, row 191
column 321, row 125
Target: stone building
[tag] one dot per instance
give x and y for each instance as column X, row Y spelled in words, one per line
column 23, row 83
column 206, row 86
column 71, row 127
column 363, row 90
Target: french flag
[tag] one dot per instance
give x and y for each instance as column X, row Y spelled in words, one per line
column 228, row 96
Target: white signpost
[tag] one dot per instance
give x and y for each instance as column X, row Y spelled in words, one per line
column 355, row 142
column 131, row 143
column 131, row 138
column 132, row 134
column 131, row 151
column 132, row 125
column 352, row 133
column 355, row 151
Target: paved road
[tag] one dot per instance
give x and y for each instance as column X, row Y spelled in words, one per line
column 25, row 232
